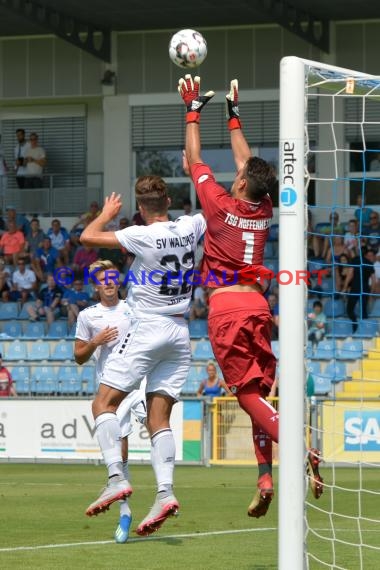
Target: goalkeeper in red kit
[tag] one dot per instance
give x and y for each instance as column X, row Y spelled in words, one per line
column 239, row 316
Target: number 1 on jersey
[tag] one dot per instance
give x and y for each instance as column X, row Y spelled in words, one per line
column 249, row 238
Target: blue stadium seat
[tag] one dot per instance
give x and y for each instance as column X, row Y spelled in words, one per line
column 313, row 366
column 57, row 330
column 21, row 376
column 325, row 350
column 23, row 314
column 272, row 264
column 40, row 350
column 375, row 309
column 13, row 329
column 366, row 329
column 339, row 328
column 273, row 232
column 322, row 384
column 68, row 380
column 16, row 351
column 269, row 250
column 88, row 379
column 45, row 380
column 203, row 351
column 309, row 350
column 8, row 311
column 336, row 371
column 194, row 378
column 351, row 350
column 334, row 308
column 198, row 328
column 63, row 351
column 71, row 333
column 34, row 330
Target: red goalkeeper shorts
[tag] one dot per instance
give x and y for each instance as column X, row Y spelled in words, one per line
column 240, row 326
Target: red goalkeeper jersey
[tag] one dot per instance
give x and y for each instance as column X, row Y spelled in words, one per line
column 236, row 231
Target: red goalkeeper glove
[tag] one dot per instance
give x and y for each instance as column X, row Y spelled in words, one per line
column 232, row 99
column 189, row 91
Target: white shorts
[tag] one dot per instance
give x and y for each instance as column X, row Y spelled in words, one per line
column 134, row 404
column 157, row 347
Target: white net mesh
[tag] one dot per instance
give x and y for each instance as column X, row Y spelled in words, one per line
column 342, row 174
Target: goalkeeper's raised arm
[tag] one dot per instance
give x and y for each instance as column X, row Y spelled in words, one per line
column 239, row 145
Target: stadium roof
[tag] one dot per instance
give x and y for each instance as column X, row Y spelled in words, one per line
column 36, row 17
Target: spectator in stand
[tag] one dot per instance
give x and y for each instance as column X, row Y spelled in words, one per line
column 35, row 159
column 3, row 171
column 123, row 223
column 199, row 307
column 48, row 302
column 12, row 244
column 7, row 388
column 274, row 311
column 187, row 207
column 374, row 164
column 20, row 152
column 137, row 220
column 34, row 238
column 317, row 324
column 20, row 220
column 5, row 274
column 321, row 244
column 45, row 259
column 337, row 249
column 83, row 258
column 343, row 274
column 360, row 284
column 83, row 221
column 376, row 266
column 213, row 386
column 75, row 300
column 60, row 239
column 352, row 238
column 372, row 232
column 24, row 284
column 362, row 214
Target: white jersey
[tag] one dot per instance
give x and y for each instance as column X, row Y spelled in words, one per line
column 159, row 280
column 93, row 320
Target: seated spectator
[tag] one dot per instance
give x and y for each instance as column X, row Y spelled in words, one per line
column 374, row 164
column 372, row 232
column 336, row 250
column 12, row 244
column 48, row 302
column 60, row 239
column 45, row 259
column 376, row 266
column 187, row 207
column 24, row 284
column 274, row 311
column 137, row 220
column 7, row 387
column 83, row 221
column 75, row 300
column 343, row 274
column 212, row 385
column 20, row 220
column 321, row 244
column 83, row 258
column 35, row 160
column 317, row 323
column 34, row 238
column 352, row 238
column 362, row 214
column 5, row 276
column 199, row 306
column 123, row 223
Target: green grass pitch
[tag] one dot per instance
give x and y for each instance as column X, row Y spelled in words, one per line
column 45, row 504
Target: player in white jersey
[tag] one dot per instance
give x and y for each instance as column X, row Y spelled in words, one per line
column 99, row 328
column 157, row 345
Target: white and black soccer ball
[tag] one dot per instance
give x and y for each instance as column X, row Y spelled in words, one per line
column 187, row 48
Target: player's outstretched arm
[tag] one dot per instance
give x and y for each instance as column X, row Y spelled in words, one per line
column 189, row 91
column 94, row 234
column 239, row 145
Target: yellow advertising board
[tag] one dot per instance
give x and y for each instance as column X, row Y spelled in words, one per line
column 351, row 431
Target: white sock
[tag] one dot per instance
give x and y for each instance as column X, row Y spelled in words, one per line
column 163, row 457
column 124, row 509
column 126, row 470
column 109, row 438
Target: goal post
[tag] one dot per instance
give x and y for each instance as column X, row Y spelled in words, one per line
column 300, row 81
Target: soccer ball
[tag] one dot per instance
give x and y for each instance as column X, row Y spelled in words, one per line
column 187, row 48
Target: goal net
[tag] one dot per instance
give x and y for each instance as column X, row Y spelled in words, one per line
column 329, row 235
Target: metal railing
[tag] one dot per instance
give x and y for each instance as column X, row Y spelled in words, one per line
column 61, row 194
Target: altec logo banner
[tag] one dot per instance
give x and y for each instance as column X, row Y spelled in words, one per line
column 288, row 195
column 362, row 430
